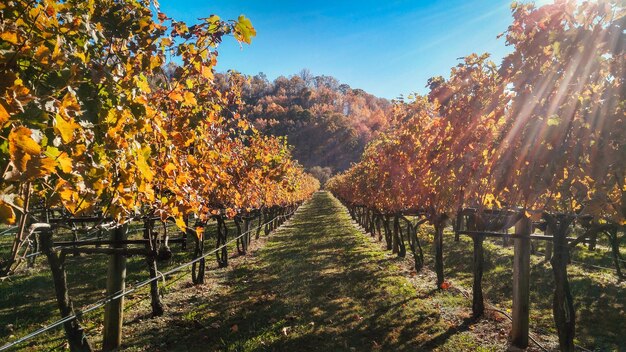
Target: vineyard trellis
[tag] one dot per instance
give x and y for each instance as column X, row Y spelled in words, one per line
column 535, row 142
column 95, row 133
column 70, row 317
column 489, row 224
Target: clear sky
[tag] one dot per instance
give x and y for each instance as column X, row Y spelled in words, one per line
column 387, row 48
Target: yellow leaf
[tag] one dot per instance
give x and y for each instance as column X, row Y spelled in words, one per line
column 243, row 124
column 7, row 215
column 190, row 99
column 143, row 167
column 142, row 84
column 169, row 167
column 42, row 54
column 244, row 30
column 44, row 167
column 176, row 96
column 65, row 128
column 65, row 163
column 63, row 160
column 155, row 61
column 180, row 223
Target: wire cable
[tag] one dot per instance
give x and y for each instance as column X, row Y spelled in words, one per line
column 102, row 302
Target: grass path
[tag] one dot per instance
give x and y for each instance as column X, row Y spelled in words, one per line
column 319, row 284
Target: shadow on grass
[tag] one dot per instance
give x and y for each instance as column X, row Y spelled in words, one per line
column 317, row 286
column 599, row 299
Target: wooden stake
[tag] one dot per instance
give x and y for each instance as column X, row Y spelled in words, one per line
column 116, row 283
column 478, row 304
column 548, row 253
column 521, row 283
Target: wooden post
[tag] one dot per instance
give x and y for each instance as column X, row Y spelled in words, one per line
column 185, row 238
column 458, row 222
column 259, row 225
column 478, row 304
column 241, row 247
column 562, row 304
column 593, row 241
column 222, row 238
column 521, row 283
column 548, row 253
column 246, row 230
column 416, row 247
column 73, row 331
column 116, row 283
column 505, row 239
column 439, row 224
column 266, row 217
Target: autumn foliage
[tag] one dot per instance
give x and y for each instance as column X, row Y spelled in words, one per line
column 544, row 131
column 91, row 123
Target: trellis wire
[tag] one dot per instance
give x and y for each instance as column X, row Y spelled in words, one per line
column 101, row 303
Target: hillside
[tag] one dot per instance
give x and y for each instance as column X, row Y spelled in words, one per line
column 328, row 123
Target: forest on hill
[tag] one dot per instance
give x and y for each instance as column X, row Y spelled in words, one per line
column 327, row 123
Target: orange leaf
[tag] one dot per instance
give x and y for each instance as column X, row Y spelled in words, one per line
column 199, row 232
column 19, row 139
column 4, row 115
column 207, row 72
column 10, row 37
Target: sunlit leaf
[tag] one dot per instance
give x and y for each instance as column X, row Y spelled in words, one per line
column 7, row 215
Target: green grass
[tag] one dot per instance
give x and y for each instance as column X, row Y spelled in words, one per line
column 319, row 284
column 27, row 300
column 599, row 298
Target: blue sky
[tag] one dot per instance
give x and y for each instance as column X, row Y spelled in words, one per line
column 387, row 48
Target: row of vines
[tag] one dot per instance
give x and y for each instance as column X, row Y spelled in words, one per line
column 92, row 124
column 96, row 132
column 537, row 141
